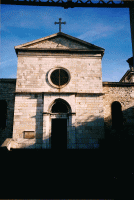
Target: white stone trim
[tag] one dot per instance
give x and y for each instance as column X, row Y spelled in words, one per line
column 49, row 101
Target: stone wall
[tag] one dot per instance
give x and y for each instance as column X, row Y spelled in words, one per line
column 86, row 124
column 85, row 77
column 85, row 71
column 89, row 126
column 124, row 94
column 28, row 117
column 32, row 113
column 7, row 89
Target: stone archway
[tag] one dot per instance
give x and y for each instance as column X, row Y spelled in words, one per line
column 61, row 104
column 60, row 110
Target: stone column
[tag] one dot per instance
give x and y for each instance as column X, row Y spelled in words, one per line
column 39, row 121
column 46, row 143
column 131, row 11
column 72, row 141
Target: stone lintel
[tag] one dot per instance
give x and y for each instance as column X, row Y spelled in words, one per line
column 48, row 113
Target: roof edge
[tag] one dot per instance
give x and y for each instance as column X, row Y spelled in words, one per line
column 10, row 80
column 58, row 34
column 127, row 72
column 79, row 40
column 38, row 40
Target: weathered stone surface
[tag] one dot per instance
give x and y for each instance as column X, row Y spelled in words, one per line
column 6, row 142
column 122, row 94
column 85, row 72
column 58, row 42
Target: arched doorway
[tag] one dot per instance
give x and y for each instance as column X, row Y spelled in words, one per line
column 117, row 117
column 59, row 123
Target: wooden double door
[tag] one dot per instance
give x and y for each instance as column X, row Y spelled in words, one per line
column 59, row 134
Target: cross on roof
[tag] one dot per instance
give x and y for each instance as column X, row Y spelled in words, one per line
column 60, row 24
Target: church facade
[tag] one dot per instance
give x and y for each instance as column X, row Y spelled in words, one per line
column 59, row 101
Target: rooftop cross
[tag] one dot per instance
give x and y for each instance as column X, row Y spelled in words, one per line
column 60, row 24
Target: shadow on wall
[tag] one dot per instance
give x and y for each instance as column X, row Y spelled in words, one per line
column 91, row 134
column 3, row 119
column 6, row 119
column 87, row 134
column 119, row 128
column 38, row 122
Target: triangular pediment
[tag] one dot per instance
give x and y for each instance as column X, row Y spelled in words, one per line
column 59, row 41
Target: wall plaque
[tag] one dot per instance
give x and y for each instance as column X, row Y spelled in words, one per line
column 29, row 134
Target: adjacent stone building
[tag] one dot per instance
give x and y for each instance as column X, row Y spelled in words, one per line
column 59, row 100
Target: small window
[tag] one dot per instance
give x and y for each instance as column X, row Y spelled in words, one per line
column 3, row 114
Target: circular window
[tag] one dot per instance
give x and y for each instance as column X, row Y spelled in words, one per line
column 59, row 77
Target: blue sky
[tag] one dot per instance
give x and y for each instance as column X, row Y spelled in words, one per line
column 108, row 28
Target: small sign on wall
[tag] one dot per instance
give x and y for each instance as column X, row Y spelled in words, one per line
column 29, row 134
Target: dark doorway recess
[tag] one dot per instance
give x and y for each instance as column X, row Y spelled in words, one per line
column 59, row 134
column 3, row 114
column 117, row 116
column 59, row 107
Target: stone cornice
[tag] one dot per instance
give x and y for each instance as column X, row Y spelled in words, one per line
column 117, row 84
column 59, row 53
column 105, row 84
column 67, row 93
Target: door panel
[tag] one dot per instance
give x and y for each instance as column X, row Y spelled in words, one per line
column 59, row 134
